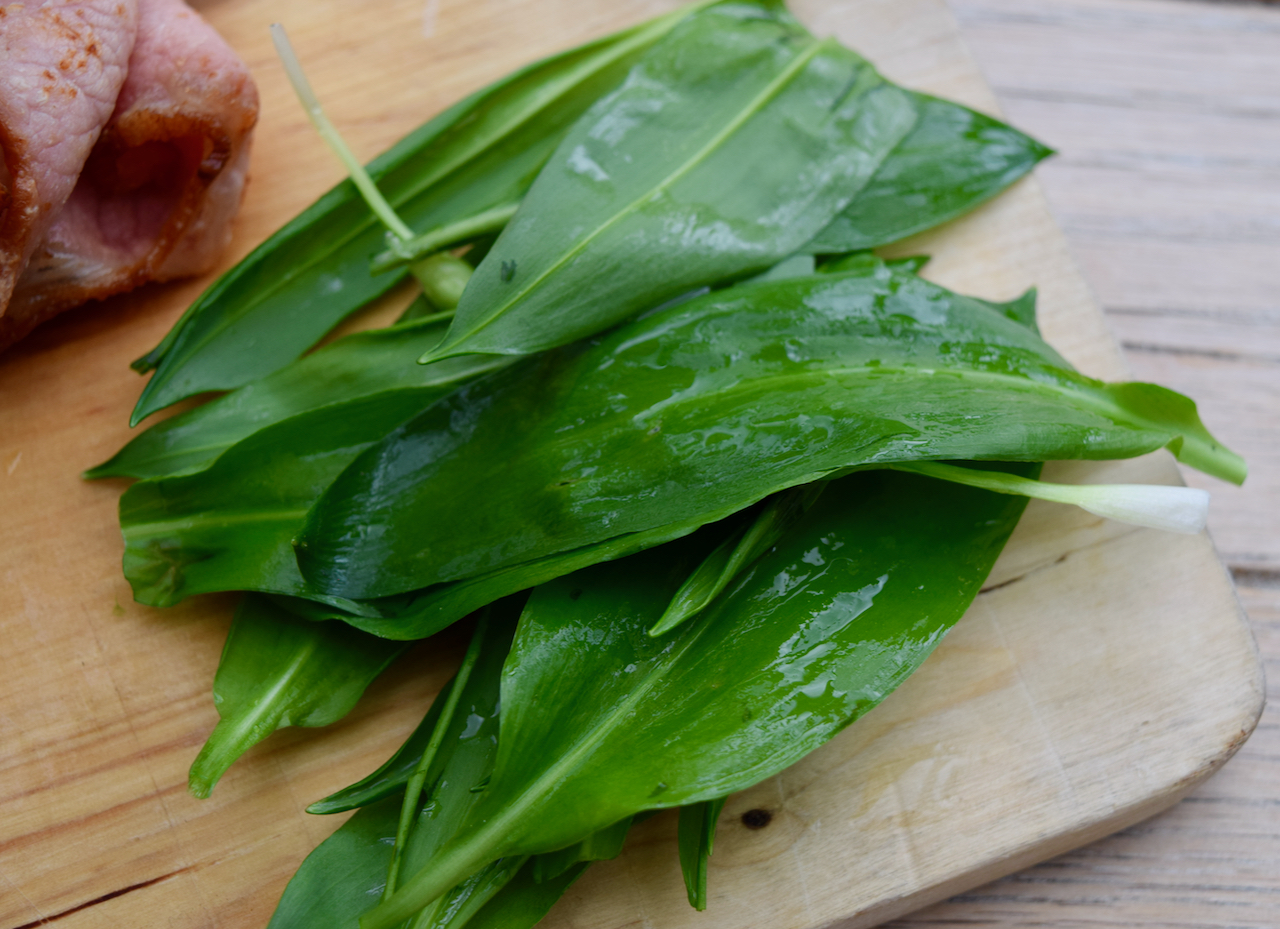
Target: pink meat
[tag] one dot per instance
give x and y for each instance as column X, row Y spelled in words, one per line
column 159, row 189
column 62, row 65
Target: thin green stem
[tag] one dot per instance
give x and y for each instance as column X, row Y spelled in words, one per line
column 1159, row 506
column 329, row 133
column 413, row 790
column 407, row 251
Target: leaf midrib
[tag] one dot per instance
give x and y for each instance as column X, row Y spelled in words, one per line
column 774, row 87
column 591, row 739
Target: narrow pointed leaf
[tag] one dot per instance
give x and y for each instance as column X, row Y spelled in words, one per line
column 815, row 634
column 732, row 143
column 697, row 836
column 703, row 409
column 952, row 160
column 278, row 670
column 359, row 365
column 735, row 553
column 481, row 153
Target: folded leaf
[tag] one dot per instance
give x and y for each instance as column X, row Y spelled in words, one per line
column 700, row 410
column 278, row 670
column 815, row 634
column 356, row 366
column 731, row 144
column 392, row 775
column 952, row 160
column 599, row 846
column 481, row 153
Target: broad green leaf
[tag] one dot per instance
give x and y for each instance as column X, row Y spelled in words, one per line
column 359, row 365
column 229, row 527
column 730, row 145
column 952, row 160
column 481, row 153
column 278, row 670
column 600, row 721
column 697, row 836
column 698, row 411
column 345, row 876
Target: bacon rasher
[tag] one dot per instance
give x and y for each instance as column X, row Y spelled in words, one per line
column 115, row 176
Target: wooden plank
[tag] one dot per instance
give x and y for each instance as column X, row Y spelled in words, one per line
column 1105, row 671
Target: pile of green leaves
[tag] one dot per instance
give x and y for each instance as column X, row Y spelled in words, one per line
column 602, row 433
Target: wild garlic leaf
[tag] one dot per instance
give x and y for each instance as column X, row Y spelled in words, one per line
column 730, row 145
column 600, row 721
column 229, row 527
column 599, row 846
column 698, row 411
column 391, row 776
column 482, row 152
column 356, row 366
column 421, row 613
column 697, row 836
column 952, row 160
column 344, row 876
column 277, row 670
column 730, row 557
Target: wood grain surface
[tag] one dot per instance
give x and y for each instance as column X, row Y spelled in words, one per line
column 1103, row 673
column 1167, row 118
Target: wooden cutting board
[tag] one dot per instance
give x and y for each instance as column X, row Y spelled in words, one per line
column 1104, row 671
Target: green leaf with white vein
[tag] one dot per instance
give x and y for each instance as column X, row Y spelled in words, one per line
column 600, row 720
column 277, row 670
column 731, row 144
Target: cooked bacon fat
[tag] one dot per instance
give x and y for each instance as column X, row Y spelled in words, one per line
column 155, row 196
